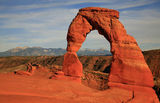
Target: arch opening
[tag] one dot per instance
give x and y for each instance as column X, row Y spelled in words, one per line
column 95, row 45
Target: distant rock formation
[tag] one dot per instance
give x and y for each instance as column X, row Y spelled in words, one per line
column 152, row 58
column 128, row 70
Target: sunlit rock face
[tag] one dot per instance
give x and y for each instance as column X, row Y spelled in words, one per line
column 128, row 64
column 71, row 65
column 128, row 70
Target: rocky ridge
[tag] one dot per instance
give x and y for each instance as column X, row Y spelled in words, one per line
column 38, row 51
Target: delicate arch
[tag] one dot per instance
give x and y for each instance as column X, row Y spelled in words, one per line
column 128, row 65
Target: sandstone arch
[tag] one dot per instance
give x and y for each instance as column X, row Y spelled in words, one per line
column 128, row 64
column 128, row 70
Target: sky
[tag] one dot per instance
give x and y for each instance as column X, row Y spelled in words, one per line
column 44, row 23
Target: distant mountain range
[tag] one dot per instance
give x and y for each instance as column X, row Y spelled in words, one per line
column 38, row 51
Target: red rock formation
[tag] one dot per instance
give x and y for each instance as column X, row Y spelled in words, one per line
column 127, row 56
column 71, row 65
column 30, row 70
column 128, row 70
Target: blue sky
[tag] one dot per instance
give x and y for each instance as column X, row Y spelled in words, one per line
column 44, row 23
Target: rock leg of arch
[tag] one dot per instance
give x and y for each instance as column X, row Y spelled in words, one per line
column 128, row 70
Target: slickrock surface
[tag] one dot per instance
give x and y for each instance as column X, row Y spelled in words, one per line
column 129, row 69
column 37, row 88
